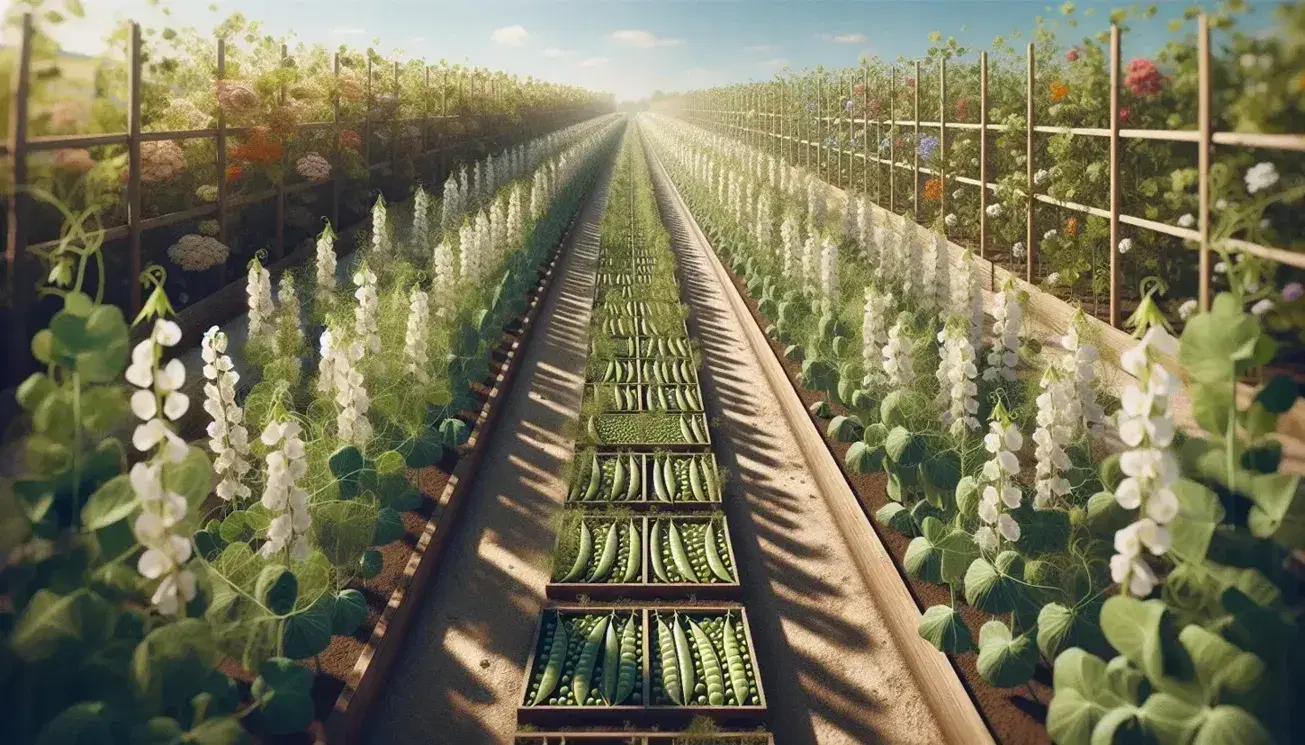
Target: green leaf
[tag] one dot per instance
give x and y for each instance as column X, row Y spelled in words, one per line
column 863, row 458
column 389, row 527
column 940, row 474
column 904, row 449
column 308, row 632
column 1278, row 395
column 896, row 517
column 283, row 692
column 997, row 587
column 845, row 429
column 427, row 450
column 1199, row 514
column 923, row 560
column 174, row 663
column 343, row 530
column 1005, row 661
column 1083, row 696
column 371, row 563
column 235, row 528
column 819, row 409
column 34, row 390
column 277, row 589
column 349, row 612
column 1231, row 725
column 1279, row 510
column 892, row 410
column 1136, row 628
column 52, row 623
column 82, row 723
column 1213, row 407
column 192, row 478
column 875, row 434
column 1061, row 627
column 222, row 731
column 943, row 627
column 346, row 465
column 455, row 433
column 796, row 353
column 1213, row 342
column 1105, row 516
column 390, row 463
column 115, row 500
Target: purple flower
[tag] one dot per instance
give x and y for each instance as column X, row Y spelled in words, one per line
column 848, row 105
column 927, row 147
column 884, row 143
column 1292, row 292
column 811, row 107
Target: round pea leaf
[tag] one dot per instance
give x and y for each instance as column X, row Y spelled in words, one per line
column 349, row 612
column 308, row 632
column 1005, row 661
column 943, row 627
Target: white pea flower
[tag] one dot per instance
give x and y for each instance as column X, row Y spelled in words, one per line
column 1261, row 307
column 1053, row 279
column 1000, row 492
column 1186, row 221
column 1017, row 251
column 1261, row 176
column 258, row 288
column 1125, row 245
column 950, row 220
column 897, row 363
column 1187, row 309
column 956, row 376
column 282, row 495
column 874, row 334
column 367, row 312
column 228, row 438
column 1004, row 354
column 416, row 338
column 326, row 259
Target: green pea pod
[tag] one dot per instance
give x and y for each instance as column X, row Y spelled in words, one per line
column 670, row 663
column 553, row 669
column 685, row 657
column 714, row 561
column 679, row 555
column 584, row 670
column 581, row 558
column 711, row 672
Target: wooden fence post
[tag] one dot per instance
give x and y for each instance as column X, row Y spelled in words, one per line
column 915, row 173
column 337, row 180
column 983, row 169
column 865, row 129
column 23, row 272
column 278, row 247
column 1114, row 176
column 134, row 165
column 220, row 145
column 942, row 143
column 892, row 141
column 1203, row 157
column 1030, row 237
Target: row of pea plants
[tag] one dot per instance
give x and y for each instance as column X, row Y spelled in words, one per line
column 140, row 569
column 1158, row 574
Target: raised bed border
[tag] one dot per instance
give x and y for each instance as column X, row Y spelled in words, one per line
column 941, row 682
column 645, row 714
column 590, row 387
column 639, row 737
column 645, row 502
column 345, row 723
column 650, row 590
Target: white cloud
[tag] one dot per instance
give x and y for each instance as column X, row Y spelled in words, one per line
column 555, row 53
column 857, row 38
column 760, row 48
column 643, row 39
column 774, row 64
column 593, row 62
column 512, row 36
column 348, row 31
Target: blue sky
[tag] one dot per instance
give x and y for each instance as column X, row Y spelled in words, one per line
column 632, row 47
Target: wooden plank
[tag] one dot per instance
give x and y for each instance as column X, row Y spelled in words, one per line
column 24, row 271
column 134, row 166
column 1116, row 190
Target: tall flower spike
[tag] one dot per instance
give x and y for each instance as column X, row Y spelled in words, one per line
column 829, row 274
column 292, row 330
column 380, row 227
column 1150, row 469
column 1004, row 355
column 258, row 288
column 450, row 210
column 957, row 389
column 810, row 264
column 366, row 314
column 351, row 395
column 874, row 335
column 416, row 338
column 282, row 496
column 1000, row 491
column 326, row 259
column 898, row 366
column 228, row 438
column 1058, row 417
column 816, row 206
column 444, row 277
column 420, row 222
column 1080, row 365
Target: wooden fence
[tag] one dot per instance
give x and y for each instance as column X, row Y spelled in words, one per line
column 24, row 268
column 789, row 136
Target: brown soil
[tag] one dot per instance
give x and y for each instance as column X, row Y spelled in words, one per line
column 458, row 676
column 831, row 670
column 1014, row 716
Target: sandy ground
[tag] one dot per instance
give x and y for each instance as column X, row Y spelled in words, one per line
column 831, row 671
column 458, row 678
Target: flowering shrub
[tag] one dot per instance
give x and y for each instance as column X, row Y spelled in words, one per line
column 236, row 97
column 313, row 167
column 161, row 160
column 196, row 253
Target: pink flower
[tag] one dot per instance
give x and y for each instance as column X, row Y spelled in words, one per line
column 1071, row 55
column 1123, row 114
column 161, row 160
column 75, row 160
column 1142, row 77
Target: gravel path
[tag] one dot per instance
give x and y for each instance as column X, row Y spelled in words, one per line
column 831, row 671
column 458, row 678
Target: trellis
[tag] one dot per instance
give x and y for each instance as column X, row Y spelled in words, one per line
column 791, row 136
column 23, row 265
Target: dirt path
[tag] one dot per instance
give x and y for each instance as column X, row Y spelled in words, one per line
column 831, row 671
column 459, row 675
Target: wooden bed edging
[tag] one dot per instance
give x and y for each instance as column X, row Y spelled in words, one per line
column 371, row 670
column 956, row 713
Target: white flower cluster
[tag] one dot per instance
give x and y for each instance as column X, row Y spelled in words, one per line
column 497, row 227
column 939, row 271
column 451, row 207
column 1000, row 493
column 762, row 229
column 1149, row 466
column 326, row 259
column 1058, row 417
column 810, row 264
column 791, row 237
column 416, row 338
column 443, row 270
column 850, row 222
column 829, row 274
column 314, row 167
column 816, row 206
column 957, row 389
column 537, row 195
column 1004, row 355
column 195, row 253
column 420, row 221
column 516, row 221
column 864, row 226
column 228, row 438
column 874, row 334
column 380, row 227
column 290, row 319
column 1080, row 364
column 282, row 496
column 366, row 315
column 158, row 402
column 339, row 375
column 258, row 286
column 897, row 352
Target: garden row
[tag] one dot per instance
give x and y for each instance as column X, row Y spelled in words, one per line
column 642, row 519
column 1157, row 588
column 144, row 597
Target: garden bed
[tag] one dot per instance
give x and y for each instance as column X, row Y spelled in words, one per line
column 655, row 487
column 648, row 431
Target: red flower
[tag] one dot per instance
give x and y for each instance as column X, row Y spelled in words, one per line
column 962, row 108
column 1071, row 55
column 233, row 173
column 1142, row 78
column 933, row 189
column 1124, row 112
column 1058, row 91
column 350, row 138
